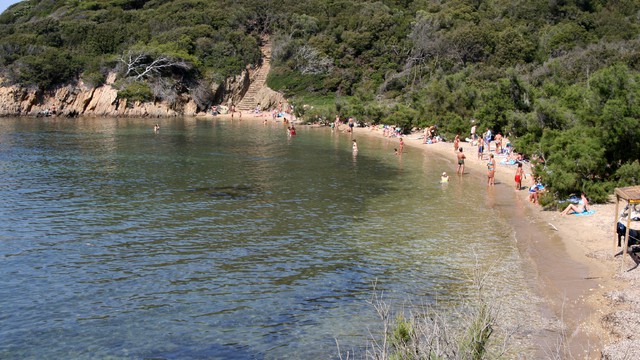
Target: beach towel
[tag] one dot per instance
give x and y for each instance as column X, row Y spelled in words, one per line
column 590, row 212
column 510, row 162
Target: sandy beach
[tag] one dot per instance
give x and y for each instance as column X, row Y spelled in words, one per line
column 592, row 290
column 595, row 293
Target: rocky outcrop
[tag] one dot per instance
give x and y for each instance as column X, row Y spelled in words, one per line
column 82, row 100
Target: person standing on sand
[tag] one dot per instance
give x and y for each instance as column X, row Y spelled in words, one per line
column 519, row 176
column 487, row 139
column 473, row 132
column 456, row 143
column 480, row 148
column 498, row 141
column 461, row 158
column 491, row 171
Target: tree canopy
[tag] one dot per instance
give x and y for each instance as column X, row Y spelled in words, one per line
column 560, row 77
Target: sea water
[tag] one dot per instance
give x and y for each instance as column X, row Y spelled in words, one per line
column 224, row 239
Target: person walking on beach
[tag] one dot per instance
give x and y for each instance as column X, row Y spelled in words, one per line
column 491, row 171
column 461, row 158
column 519, row 176
column 473, row 132
column 456, row 142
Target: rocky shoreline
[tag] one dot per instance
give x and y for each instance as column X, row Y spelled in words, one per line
column 81, row 100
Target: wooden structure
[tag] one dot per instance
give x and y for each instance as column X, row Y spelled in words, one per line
column 631, row 195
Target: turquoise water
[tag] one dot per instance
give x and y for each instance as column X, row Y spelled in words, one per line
column 220, row 239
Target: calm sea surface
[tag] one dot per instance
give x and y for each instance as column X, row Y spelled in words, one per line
column 220, row 239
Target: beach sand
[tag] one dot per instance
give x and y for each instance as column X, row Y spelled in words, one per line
column 594, row 293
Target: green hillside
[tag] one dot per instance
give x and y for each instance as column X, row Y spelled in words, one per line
column 560, row 76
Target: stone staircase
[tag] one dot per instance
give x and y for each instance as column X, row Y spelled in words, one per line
column 258, row 80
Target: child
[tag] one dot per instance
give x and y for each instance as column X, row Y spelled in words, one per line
column 519, row 176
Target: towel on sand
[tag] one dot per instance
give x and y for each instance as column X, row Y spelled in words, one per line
column 590, row 212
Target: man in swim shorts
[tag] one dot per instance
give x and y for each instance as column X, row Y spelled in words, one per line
column 461, row 158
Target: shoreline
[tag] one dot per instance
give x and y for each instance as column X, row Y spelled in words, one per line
column 582, row 284
column 572, row 256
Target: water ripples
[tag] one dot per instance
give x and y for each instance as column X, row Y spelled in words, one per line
column 200, row 241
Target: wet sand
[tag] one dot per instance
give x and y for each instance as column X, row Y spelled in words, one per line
column 570, row 260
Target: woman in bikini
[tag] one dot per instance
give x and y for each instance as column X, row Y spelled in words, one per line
column 491, row 171
column 583, row 206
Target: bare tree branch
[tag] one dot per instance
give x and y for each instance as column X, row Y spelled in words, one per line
column 142, row 65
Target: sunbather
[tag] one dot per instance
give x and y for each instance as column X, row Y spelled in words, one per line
column 583, row 206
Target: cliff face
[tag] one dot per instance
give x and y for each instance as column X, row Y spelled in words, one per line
column 81, row 100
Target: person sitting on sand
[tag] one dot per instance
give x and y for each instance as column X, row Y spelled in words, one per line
column 535, row 190
column 444, row 178
column 583, row 206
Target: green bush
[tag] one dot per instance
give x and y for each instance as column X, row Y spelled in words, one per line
column 136, row 91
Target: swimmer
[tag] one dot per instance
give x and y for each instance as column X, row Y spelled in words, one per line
column 444, row 178
column 355, row 146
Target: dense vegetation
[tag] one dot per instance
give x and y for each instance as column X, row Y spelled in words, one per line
column 560, row 76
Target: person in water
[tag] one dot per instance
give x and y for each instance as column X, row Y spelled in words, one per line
column 355, row 146
column 461, row 158
column 491, row 171
column 583, row 206
column 444, row 178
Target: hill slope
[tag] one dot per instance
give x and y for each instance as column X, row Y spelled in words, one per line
column 561, row 76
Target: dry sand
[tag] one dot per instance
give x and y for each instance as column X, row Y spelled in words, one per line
column 596, row 294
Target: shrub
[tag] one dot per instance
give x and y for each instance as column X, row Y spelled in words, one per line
column 136, row 91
